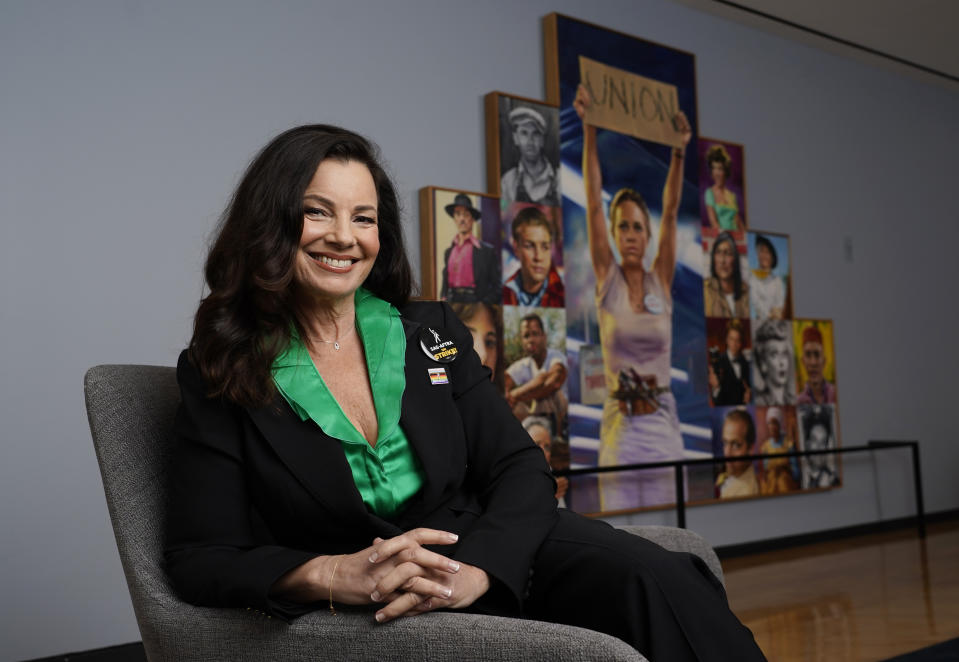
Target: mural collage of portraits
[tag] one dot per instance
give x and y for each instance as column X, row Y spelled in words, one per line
column 517, row 316
column 771, row 378
column 618, row 293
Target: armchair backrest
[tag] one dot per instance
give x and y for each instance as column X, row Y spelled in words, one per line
column 131, row 409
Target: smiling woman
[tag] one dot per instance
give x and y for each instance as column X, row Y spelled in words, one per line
column 326, row 454
column 257, row 253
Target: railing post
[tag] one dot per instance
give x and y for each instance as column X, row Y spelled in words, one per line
column 916, row 478
column 680, row 495
column 917, row 483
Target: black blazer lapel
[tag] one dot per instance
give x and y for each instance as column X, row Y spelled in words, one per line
column 425, row 412
column 314, row 458
column 319, row 464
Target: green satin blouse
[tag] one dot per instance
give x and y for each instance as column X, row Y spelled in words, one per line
column 388, row 474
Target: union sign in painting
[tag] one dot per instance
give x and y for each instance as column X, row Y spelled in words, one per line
column 624, row 301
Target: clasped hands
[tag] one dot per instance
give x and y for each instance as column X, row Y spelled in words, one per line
column 408, row 578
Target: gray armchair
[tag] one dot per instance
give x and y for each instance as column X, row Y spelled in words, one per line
column 131, row 410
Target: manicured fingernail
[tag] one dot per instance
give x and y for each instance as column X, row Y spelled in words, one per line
column 448, row 592
column 373, row 557
column 375, row 595
column 454, row 537
column 379, row 617
column 454, row 566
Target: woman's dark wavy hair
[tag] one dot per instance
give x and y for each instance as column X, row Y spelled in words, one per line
column 245, row 321
column 737, row 273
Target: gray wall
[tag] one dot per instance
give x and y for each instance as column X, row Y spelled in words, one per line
column 124, row 125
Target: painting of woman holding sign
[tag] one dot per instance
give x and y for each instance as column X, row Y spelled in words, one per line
column 636, row 89
column 639, row 420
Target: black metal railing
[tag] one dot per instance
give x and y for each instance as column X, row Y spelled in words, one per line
column 872, row 446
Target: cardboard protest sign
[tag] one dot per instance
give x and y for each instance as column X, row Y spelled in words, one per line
column 630, row 104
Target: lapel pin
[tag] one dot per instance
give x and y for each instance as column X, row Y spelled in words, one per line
column 438, row 376
column 438, row 346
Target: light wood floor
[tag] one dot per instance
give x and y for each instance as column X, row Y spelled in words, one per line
column 858, row 599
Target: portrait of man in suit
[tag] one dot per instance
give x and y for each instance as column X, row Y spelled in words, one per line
column 729, row 369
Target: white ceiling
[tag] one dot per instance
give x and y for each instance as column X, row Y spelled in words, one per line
column 915, row 37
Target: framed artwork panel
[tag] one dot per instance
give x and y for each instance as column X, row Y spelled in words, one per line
column 668, row 315
column 606, row 432
column 778, row 432
column 722, row 186
column 522, row 149
column 818, row 430
column 769, row 274
column 815, row 361
column 729, row 350
column 448, row 218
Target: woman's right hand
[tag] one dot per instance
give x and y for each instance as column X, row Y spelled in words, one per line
column 582, row 101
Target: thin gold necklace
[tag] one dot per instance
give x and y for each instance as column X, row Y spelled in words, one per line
column 335, row 343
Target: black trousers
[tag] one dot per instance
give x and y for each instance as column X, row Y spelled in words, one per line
column 667, row 605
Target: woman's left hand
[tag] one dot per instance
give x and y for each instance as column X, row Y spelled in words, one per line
column 465, row 588
column 399, row 590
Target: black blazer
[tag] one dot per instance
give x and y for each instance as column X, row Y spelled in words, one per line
column 257, row 492
column 486, row 274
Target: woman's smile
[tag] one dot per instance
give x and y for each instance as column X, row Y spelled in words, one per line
column 338, row 264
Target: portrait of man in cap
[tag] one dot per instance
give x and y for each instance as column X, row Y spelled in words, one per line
column 534, row 177
column 471, row 267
